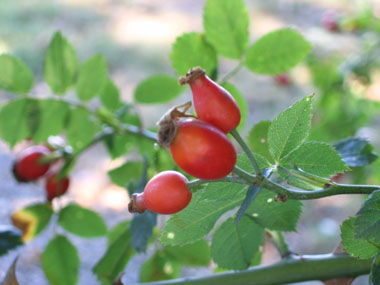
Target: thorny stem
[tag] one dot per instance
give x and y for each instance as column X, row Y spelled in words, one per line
column 247, row 150
column 292, row 269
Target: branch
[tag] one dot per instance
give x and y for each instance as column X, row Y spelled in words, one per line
column 333, row 189
column 294, row 269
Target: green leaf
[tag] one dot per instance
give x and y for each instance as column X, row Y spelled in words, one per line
column 15, row 76
column 190, row 50
column 277, row 52
column 122, row 175
column 114, row 260
column 244, row 163
column 116, row 231
column 159, row 267
column 118, row 145
column 356, row 247
column 52, row 119
column 82, row 222
column 81, row 129
column 32, row 220
column 92, row 78
column 275, row 215
column 199, row 217
column 316, row 158
column 249, row 197
column 18, row 120
column 356, row 151
column 142, row 229
column 374, row 277
column 258, row 139
column 290, row 128
column 367, row 223
column 226, row 24
column 61, row 64
column 157, row 89
column 110, row 97
column 240, row 101
column 60, row 261
column 234, row 245
column 195, row 254
column 10, row 238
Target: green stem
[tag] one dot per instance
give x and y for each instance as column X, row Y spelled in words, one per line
column 247, row 150
column 232, row 73
column 133, row 130
column 245, row 175
column 233, row 179
column 279, row 242
column 295, row 269
column 333, row 189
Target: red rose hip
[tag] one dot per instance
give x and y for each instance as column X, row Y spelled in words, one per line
column 198, row 148
column 166, row 193
column 56, row 186
column 28, row 166
column 213, row 104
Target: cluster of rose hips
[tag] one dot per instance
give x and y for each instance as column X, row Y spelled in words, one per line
column 199, row 145
column 29, row 166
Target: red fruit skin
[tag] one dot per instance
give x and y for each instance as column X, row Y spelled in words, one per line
column 330, row 23
column 282, row 79
column 166, row 193
column 27, row 168
column 202, row 150
column 214, row 104
column 55, row 187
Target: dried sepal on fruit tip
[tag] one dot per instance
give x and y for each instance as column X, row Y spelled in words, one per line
column 168, row 123
column 135, row 205
column 191, row 75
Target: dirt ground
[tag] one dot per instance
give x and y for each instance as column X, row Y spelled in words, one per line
column 135, row 36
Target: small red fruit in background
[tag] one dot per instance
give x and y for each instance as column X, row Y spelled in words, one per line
column 166, row 193
column 198, row 148
column 28, row 167
column 56, row 186
column 282, row 79
column 330, row 22
column 212, row 103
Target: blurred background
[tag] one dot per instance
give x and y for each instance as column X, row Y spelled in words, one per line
column 135, row 37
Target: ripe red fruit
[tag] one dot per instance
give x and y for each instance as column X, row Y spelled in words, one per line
column 198, row 148
column 166, row 193
column 213, row 104
column 330, row 23
column 282, row 79
column 55, row 186
column 27, row 166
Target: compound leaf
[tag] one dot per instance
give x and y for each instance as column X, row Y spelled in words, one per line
column 277, row 52
column 235, row 245
column 60, row 261
column 290, row 128
column 190, row 50
column 317, row 158
column 61, row 64
column 15, row 76
column 226, row 24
